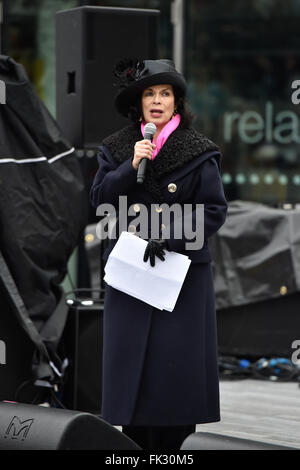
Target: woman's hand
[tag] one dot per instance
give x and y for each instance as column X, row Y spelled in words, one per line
column 142, row 149
column 155, row 248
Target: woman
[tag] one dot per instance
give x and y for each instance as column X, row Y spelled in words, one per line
column 160, row 372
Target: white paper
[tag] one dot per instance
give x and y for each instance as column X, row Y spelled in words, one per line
column 158, row 286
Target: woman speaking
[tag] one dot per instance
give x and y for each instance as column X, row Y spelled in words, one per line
column 160, row 369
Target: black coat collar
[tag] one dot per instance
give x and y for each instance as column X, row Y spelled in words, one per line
column 182, row 146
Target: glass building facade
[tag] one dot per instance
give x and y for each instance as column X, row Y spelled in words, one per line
column 241, row 62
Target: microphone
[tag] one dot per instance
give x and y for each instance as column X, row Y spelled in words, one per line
column 150, row 130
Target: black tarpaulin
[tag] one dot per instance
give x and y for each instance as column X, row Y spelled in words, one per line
column 43, row 202
column 256, row 254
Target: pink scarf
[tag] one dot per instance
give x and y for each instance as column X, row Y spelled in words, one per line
column 164, row 133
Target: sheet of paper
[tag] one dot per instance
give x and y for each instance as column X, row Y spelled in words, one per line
column 158, row 286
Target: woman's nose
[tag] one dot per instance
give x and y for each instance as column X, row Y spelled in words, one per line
column 156, row 99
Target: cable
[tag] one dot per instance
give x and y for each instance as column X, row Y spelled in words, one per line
column 274, row 369
column 56, row 399
column 234, row 368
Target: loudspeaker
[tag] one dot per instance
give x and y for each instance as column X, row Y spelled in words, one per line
column 82, row 339
column 210, row 441
column 89, row 41
column 266, row 328
column 30, row 427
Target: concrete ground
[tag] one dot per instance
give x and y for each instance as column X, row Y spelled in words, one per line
column 259, row 410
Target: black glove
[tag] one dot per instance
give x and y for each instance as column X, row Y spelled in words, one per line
column 155, row 248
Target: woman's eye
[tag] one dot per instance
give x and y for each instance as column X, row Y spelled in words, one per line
column 150, row 93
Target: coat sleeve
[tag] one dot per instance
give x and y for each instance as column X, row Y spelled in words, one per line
column 210, row 193
column 111, row 179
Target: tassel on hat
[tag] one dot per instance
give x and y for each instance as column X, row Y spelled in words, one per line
column 127, row 71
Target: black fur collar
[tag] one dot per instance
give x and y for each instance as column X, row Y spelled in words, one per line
column 182, row 146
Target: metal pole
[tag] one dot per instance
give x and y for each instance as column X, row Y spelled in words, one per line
column 177, row 19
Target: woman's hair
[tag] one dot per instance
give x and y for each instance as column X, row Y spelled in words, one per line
column 181, row 105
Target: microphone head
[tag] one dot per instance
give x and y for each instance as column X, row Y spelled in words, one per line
column 150, row 129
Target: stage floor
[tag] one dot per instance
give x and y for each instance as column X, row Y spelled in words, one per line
column 259, row 410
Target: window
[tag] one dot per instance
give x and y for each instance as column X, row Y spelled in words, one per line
column 241, row 60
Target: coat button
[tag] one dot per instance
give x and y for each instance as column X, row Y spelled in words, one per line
column 89, row 238
column 283, row 290
column 158, row 209
column 132, row 228
column 136, row 208
column 162, row 226
column 172, row 187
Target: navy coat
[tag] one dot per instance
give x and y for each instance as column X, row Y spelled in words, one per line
column 159, row 367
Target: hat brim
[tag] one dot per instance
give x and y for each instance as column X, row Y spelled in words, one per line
column 127, row 97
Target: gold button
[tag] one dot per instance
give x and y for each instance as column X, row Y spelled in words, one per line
column 132, row 228
column 89, row 237
column 283, row 290
column 136, row 208
column 158, row 209
column 162, row 226
column 172, row 187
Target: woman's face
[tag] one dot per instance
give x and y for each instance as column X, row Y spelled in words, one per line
column 158, row 104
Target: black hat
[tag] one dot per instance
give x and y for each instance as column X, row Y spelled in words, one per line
column 134, row 76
